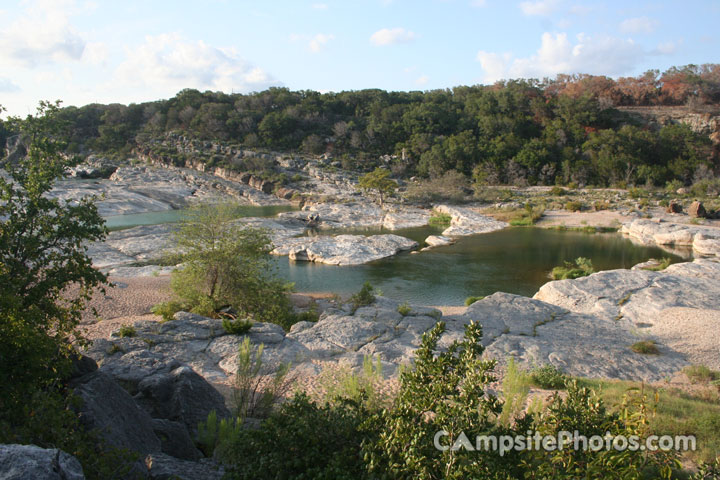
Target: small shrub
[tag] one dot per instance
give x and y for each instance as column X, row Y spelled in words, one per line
column 167, row 310
column 439, row 220
column 645, row 347
column 573, row 206
column 601, row 205
column 515, row 388
column 309, row 315
column 582, row 267
column 701, row 374
column 256, row 390
column 470, row 300
column 404, row 309
column 558, row 191
column 127, row 331
column 364, row 297
column 215, row 432
column 637, row 193
column 236, row 326
column 548, row 377
column 366, row 386
column 662, row 265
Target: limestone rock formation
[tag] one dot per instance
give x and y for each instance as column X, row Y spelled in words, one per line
column 466, row 222
column 344, row 249
column 24, row 462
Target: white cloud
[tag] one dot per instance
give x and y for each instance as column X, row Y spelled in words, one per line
column 42, row 34
column 7, row 86
column 539, row 7
column 478, row 3
column 557, row 54
column 169, row 63
column 422, row 80
column 315, row 43
column 639, row 25
column 318, row 41
column 392, row 36
column 95, row 53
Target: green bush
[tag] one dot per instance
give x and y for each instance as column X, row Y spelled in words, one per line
column 558, row 191
column 470, row 300
column 302, row 440
column 215, row 433
column 574, row 206
column 127, row 331
column 581, row 267
column 226, row 264
column 363, row 298
column 236, row 326
column 404, row 309
column 167, row 310
column 661, row 265
column 439, row 220
column 645, row 347
column 548, row 376
column 701, row 374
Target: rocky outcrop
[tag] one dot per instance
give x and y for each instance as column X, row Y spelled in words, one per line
column 165, row 467
column 705, row 240
column 344, row 249
column 584, row 326
column 24, row 462
column 109, row 409
column 438, row 241
column 466, row 222
column 697, row 210
column 180, row 395
column 175, row 439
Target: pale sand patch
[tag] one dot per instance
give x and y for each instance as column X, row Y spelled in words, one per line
column 690, row 331
column 104, row 328
column 603, row 218
column 451, row 309
column 129, row 297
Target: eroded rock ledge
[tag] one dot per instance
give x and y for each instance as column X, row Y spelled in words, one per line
column 584, row 326
column 704, row 240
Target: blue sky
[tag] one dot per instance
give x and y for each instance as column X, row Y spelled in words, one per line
column 132, row 51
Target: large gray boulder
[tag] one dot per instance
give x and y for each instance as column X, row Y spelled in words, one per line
column 175, row 439
column 25, row 462
column 344, row 249
column 165, row 467
column 109, row 409
column 182, row 396
column 466, row 222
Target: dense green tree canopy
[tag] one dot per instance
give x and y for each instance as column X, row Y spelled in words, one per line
column 519, row 131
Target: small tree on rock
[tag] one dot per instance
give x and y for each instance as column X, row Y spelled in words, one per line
column 379, row 181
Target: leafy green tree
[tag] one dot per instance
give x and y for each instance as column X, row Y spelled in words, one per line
column 378, row 181
column 42, row 255
column 447, row 392
column 227, row 263
column 46, row 279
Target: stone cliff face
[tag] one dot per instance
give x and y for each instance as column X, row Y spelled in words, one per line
column 705, row 122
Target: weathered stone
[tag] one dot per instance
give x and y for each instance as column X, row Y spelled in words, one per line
column 175, row 439
column 26, row 462
column 697, row 210
column 438, row 241
column 182, row 396
column 165, row 467
column 466, row 222
column 110, row 410
column 706, row 245
column 674, row 207
column 344, row 249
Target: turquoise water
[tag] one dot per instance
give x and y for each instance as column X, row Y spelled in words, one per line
column 514, row 260
column 118, row 222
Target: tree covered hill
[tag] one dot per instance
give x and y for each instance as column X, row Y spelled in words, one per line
column 516, row 132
